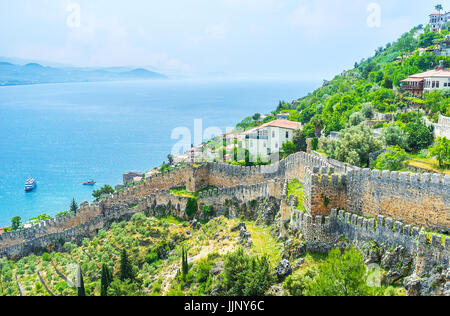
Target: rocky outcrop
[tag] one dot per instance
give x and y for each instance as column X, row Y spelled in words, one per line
column 398, row 263
column 293, row 249
column 283, row 270
column 434, row 283
column 244, row 235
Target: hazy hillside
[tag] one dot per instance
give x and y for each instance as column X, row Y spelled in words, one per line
column 33, row 73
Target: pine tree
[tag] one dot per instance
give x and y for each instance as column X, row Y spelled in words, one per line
column 106, row 280
column 126, row 270
column 73, row 207
column 80, row 283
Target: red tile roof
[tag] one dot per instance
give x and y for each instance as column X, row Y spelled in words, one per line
column 429, row 74
column 282, row 124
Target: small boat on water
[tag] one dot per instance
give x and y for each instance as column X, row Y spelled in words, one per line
column 30, row 185
column 90, row 182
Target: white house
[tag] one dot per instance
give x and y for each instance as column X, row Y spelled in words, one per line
column 436, row 79
column 437, row 20
column 267, row 139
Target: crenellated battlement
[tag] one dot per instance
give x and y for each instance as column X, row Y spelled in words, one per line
column 322, row 233
column 402, row 178
column 416, row 200
column 421, row 199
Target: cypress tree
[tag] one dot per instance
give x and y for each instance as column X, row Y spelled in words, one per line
column 80, row 283
column 106, row 280
column 126, row 271
column 184, row 263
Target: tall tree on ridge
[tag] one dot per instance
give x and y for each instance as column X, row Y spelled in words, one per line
column 80, row 283
column 126, row 270
column 73, row 206
column 106, row 280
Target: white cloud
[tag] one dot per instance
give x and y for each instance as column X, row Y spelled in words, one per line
column 216, row 32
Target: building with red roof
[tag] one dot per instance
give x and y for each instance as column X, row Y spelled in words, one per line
column 268, row 139
column 436, row 79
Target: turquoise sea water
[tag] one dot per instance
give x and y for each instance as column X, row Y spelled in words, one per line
column 64, row 134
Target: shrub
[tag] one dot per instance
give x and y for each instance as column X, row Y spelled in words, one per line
column 207, row 210
column 246, row 275
column 340, row 275
column 354, row 145
column 418, row 135
column 297, row 285
column 191, row 207
column 441, row 151
column 392, row 160
column 393, row 135
column 151, row 257
column 46, row 257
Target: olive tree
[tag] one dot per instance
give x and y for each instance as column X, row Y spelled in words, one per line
column 353, row 146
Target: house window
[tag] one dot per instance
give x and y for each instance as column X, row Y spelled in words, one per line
column 437, row 84
column 276, row 145
column 287, row 134
column 273, row 134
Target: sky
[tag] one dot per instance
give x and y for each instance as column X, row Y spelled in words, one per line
column 304, row 39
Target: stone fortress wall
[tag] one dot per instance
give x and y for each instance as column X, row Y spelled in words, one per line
column 415, row 199
column 322, row 233
column 442, row 128
column 421, row 200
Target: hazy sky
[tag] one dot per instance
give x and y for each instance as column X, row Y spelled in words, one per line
column 301, row 38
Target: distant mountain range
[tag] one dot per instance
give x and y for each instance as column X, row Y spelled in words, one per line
column 34, row 73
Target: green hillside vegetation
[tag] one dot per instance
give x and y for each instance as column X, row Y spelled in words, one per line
column 144, row 257
column 355, row 96
column 168, row 256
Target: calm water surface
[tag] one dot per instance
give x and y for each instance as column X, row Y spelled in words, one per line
column 64, row 134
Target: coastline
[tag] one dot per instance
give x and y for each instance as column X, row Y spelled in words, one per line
column 148, row 151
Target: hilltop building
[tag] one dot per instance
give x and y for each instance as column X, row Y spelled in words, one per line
column 436, row 79
column 267, row 139
column 437, row 20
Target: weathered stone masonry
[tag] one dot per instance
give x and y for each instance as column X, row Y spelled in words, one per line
column 323, row 233
column 416, row 199
column 421, row 200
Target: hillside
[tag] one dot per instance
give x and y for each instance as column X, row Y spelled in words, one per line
column 372, row 93
column 298, row 227
column 33, row 73
column 154, row 248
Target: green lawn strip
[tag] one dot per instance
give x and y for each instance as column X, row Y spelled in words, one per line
column 296, row 188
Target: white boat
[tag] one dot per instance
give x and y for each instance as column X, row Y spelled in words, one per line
column 30, row 184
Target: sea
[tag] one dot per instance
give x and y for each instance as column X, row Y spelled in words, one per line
column 65, row 134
